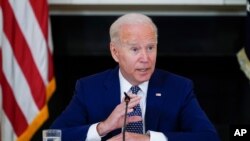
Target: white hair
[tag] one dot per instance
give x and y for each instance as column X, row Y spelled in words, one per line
column 129, row 19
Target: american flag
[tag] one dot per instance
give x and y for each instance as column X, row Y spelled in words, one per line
column 26, row 67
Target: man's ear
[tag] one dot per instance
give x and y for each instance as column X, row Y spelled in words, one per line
column 114, row 51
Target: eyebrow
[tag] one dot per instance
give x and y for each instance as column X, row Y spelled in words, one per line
column 151, row 43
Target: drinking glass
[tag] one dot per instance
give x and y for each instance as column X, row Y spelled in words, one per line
column 52, row 135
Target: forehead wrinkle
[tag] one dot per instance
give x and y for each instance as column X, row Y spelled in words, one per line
column 133, row 40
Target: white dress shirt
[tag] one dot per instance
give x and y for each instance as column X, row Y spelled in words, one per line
column 125, row 86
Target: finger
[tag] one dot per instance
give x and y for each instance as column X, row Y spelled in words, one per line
column 120, row 108
column 134, row 98
column 119, row 111
column 131, row 96
column 135, row 101
column 134, row 119
column 130, row 110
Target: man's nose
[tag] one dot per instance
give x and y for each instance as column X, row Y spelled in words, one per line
column 144, row 56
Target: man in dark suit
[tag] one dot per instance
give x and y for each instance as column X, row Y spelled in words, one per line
column 162, row 105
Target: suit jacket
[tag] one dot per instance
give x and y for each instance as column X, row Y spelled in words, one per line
column 176, row 113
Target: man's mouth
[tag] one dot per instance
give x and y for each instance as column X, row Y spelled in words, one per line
column 143, row 70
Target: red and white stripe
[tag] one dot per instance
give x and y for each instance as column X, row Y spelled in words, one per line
column 26, row 68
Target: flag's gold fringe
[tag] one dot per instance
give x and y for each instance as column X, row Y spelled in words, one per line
column 244, row 62
column 41, row 117
column 35, row 125
column 51, row 89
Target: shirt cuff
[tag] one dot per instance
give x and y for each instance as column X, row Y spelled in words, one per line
column 156, row 136
column 92, row 134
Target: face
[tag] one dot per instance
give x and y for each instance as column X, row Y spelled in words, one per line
column 136, row 52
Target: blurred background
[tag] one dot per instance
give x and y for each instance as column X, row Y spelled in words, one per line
column 198, row 39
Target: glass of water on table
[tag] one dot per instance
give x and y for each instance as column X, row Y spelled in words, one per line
column 52, row 135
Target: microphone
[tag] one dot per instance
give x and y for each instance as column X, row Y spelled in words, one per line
column 127, row 99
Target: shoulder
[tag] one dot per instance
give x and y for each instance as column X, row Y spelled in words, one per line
column 170, row 78
column 98, row 78
column 169, row 75
column 174, row 85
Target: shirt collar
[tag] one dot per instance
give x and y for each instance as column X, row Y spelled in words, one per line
column 125, row 85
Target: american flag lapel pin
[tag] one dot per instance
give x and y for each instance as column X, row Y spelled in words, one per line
column 158, row 94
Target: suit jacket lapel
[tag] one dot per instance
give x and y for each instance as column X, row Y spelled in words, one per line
column 155, row 99
column 112, row 85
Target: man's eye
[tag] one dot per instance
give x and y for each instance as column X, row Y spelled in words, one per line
column 134, row 49
column 150, row 48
